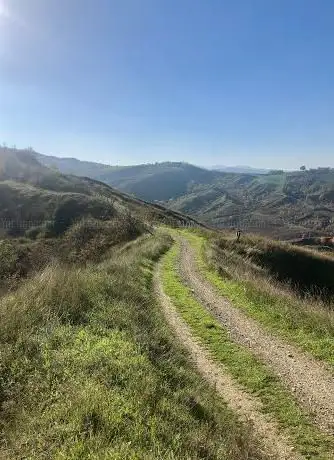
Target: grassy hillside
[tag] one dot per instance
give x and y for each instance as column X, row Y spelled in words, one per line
column 285, row 205
column 32, row 192
column 47, row 216
column 277, row 203
column 90, row 370
column 159, row 181
column 305, row 271
column 74, row 166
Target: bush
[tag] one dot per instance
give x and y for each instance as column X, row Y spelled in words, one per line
column 8, row 259
column 89, row 239
column 71, row 210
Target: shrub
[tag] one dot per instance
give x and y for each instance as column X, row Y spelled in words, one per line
column 8, row 259
column 89, row 239
column 72, row 209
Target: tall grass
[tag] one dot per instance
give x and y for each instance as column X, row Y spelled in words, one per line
column 308, row 272
column 89, row 369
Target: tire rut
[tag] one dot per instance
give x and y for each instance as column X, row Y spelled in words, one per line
column 310, row 382
column 248, row 408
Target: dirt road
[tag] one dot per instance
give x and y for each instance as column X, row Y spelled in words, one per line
column 248, row 408
column 309, row 380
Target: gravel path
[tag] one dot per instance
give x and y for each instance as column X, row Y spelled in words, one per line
column 247, row 407
column 309, row 380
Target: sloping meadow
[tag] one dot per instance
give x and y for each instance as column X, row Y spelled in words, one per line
column 89, row 369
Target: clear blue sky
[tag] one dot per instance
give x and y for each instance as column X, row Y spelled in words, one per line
column 206, row 81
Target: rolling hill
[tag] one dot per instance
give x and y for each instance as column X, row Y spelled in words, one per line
column 32, row 192
column 284, row 204
column 240, row 169
column 158, row 181
column 49, row 216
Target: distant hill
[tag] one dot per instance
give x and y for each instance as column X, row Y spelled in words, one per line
column 285, row 204
column 153, row 182
column 74, row 166
column 240, row 169
column 279, row 204
column 32, row 192
column 20, row 165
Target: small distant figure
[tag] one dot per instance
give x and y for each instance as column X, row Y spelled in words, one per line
column 238, row 234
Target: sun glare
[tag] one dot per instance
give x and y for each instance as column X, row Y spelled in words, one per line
column 4, row 11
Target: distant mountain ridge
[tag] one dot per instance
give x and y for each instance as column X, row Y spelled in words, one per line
column 73, row 166
column 153, row 182
column 240, row 169
column 278, row 203
column 79, row 167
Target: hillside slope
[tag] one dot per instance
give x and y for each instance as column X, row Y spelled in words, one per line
column 32, row 192
column 158, row 181
column 46, row 216
column 283, row 204
column 277, row 203
column 74, row 166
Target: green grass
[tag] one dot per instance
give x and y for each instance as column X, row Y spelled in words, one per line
column 244, row 367
column 310, row 329
column 89, row 370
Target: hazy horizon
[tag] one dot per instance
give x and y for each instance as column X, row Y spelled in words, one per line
column 231, row 83
column 209, row 167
